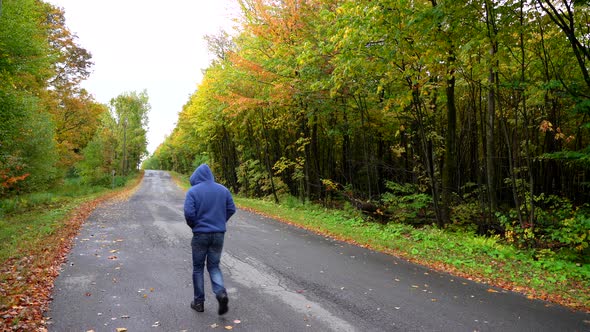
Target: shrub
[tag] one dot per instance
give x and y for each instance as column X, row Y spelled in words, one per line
column 405, row 202
column 559, row 229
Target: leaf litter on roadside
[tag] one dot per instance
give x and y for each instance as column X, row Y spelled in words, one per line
column 26, row 281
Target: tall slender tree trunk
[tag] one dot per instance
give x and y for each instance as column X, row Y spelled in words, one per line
column 346, row 169
column 490, row 142
column 267, row 156
column 491, row 109
column 450, row 162
column 426, row 145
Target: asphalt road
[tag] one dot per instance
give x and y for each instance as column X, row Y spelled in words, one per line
column 131, row 268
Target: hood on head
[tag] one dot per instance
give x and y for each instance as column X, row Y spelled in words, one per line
column 202, row 173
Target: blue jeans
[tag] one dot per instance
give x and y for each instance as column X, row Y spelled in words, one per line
column 207, row 247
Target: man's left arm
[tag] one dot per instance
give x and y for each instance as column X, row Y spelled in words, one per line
column 190, row 213
column 230, row 207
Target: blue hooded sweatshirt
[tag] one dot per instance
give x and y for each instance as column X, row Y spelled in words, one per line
column 208, row 204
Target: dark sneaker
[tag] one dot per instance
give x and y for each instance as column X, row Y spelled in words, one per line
column 222, row 299
column 198, row 307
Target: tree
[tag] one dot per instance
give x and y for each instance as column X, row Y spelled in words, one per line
column 28, row 155
column 75, row 113
column 130, row 112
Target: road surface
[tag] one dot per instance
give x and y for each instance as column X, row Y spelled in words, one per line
column 131, row 268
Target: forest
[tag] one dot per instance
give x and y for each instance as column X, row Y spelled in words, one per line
column 470, row 115
column 51, row 129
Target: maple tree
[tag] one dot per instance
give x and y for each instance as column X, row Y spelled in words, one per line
column 75, row 114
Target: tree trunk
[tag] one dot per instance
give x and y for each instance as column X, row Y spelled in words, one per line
column 450, row 162
column 491, row 111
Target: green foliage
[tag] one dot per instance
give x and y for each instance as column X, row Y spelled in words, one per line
column 69, row 188
column 251, row 177
column 254, row 180
column 40, row 69
column 200, row 159
column 406, row 203
column 560, row 230
column 28, row 156
column 580, row 158
column 465, row 216
column 94, row 168
column 28, row 147
column 152, row 162
column 119, row 143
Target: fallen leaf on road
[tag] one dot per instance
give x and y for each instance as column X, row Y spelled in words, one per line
column 113, row 251
column 121, row 329
column 88, row 294
column 214, row 325
column 112, row 257
column 491, row 290
column 237, row 321
column 228, row 327
column 152, row 289
column 90, row 331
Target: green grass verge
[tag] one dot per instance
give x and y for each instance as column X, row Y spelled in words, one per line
column 479, row 258
column 28, row 219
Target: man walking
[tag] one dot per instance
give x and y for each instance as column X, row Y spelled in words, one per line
column 207, row 207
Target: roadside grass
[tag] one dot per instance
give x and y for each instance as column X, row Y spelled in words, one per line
column 483, row 259
column 460, row 253
column 36, row 232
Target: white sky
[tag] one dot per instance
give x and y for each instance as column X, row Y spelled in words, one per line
column 147, row 44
